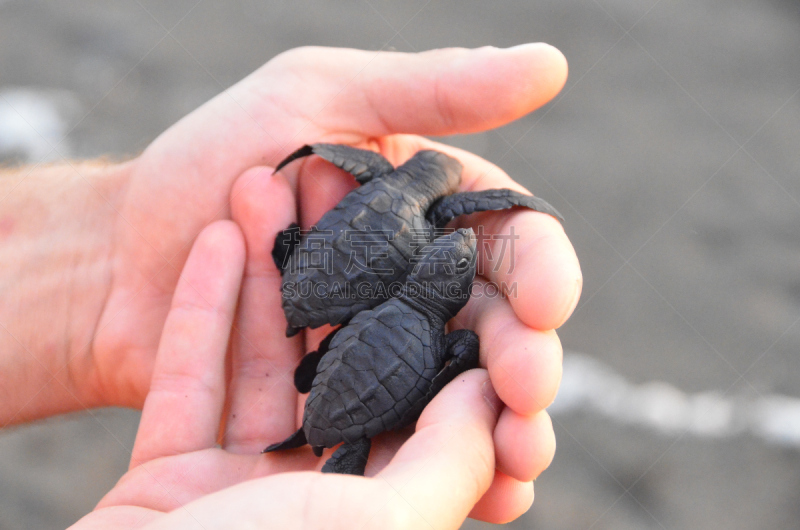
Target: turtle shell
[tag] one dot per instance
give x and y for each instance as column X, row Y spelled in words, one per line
column 365, row 243
column 375, row 375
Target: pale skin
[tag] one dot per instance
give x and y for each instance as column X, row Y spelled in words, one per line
column 98, row 250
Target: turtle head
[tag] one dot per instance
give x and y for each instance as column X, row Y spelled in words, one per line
column 441, row 277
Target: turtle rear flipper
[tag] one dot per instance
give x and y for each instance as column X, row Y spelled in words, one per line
column 285, row 242
column 364, row 165
column 451, row 206
column 298, row 439
column 350, row 458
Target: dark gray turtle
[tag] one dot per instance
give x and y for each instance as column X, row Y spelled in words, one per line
column 357, row 250
column 382, row 368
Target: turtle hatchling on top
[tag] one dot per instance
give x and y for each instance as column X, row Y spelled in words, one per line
column 396, row 210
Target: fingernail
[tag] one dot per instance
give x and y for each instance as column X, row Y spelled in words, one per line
column 576, row 296
column 528, row 45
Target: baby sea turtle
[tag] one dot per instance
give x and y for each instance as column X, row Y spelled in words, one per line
column 358, row 250
column 382, row 368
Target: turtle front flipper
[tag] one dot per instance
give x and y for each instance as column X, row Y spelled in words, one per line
column 350, row 458
column 462, row 350
column 307, row 369
column 462, row 353
column 364, row 165
column 451, row 206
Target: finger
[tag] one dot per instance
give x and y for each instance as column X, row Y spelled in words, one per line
column 262, row 397
column 167, row 484
column 524, row 364
column 347, row 95
column 359, row 95
column 520, row 250
column 448, row 464
column 506, row 500
column 339, row 503
column 524, row 445
column 183, row 409
column 451, row 90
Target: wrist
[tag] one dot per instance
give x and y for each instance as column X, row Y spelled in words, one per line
column 57, row 228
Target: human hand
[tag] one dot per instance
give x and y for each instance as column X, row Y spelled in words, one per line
column 180, row 478
column 185, row 179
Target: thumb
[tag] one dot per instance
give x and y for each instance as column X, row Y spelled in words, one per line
column 437, row 92
column 444, row 469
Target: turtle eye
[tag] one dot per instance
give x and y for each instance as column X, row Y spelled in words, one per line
column 462, row 264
